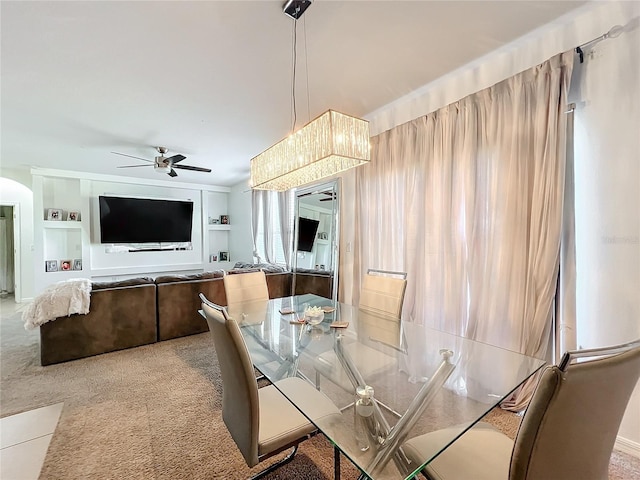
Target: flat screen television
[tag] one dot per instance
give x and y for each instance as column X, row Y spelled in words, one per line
column 144, row 220
column 307, row 229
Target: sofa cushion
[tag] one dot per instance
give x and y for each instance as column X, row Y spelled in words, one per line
column 265, row 267
column 190, row 277
column 121, row 283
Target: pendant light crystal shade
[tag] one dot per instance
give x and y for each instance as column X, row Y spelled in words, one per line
column 332, row 143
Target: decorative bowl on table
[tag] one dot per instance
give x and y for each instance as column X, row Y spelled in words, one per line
column 313, row 315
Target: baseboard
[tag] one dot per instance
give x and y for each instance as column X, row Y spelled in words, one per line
column 628, row 446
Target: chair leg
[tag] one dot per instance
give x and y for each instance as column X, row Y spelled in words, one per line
column 276, row 465
column 336, row 463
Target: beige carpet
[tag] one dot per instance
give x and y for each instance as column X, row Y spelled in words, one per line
column 153, row 412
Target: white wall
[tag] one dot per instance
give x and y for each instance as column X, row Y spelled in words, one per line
column 606, row 90
column 15, row 189
column 607, row 174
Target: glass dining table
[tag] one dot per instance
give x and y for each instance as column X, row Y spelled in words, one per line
column 392, row 380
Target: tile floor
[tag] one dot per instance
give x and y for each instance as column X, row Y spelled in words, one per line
column 24, row 440
column 25, row 437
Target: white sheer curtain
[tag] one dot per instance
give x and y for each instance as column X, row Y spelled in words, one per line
column 272, row 224
column 256, row 208
column 468, row 201
column 286, row 217
column 262, row 223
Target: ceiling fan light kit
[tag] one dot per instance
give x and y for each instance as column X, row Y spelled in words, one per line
column 162, row 168
column 329, row 144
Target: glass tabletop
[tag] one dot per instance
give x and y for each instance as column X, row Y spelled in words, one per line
column 417, row 379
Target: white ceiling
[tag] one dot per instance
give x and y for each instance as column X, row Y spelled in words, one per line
column 212, row 79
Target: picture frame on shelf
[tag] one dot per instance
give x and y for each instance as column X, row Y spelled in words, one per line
column 77, row 264
column 73, row 217
column 213, row 258
column 224, row 219
column 223, row 256
column 65, row 265
column 54, row 214
column 51, row 266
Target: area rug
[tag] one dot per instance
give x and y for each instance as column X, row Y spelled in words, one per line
column 154, row 412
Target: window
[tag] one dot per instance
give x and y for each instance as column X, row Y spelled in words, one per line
column 269, row 239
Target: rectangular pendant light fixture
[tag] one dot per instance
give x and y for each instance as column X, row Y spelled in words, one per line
column 329, row 144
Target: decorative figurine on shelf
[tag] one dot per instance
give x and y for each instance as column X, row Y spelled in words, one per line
column 51, row 266
column 54, row 214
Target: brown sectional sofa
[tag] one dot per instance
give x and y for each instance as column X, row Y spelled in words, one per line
column 140, row 311
column 178, row 302
column 122, row 315
column 316, row 282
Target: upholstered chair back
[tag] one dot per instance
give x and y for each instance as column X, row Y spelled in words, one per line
column 246, row 287
column 240, row 402
column 382, row 295
column 571, row 424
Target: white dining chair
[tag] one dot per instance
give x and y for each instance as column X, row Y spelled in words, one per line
column 262, row 422
column 567, row 432
column 379, row 328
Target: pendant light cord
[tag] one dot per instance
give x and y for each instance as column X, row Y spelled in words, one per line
column 306, row 68
column 293, row 79
column 294, row 55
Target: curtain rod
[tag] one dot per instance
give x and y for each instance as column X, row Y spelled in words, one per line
column 613, row 32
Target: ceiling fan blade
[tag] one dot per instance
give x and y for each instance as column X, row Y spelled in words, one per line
column 195, row 169
column 131, row 156
column 175, row 158
column 172, row 173
column 133, row 166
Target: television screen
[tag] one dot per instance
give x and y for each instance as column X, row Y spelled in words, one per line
column 144, row 220
column 307, row 229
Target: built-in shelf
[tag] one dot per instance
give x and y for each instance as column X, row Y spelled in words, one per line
column 64, row 273
column 62, row 224
column 219, row 227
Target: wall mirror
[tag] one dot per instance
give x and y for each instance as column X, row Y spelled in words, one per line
column 315, row 248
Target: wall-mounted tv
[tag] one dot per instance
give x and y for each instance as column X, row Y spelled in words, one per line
column 144, row 220
column 307, row 229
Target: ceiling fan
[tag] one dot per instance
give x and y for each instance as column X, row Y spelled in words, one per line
column 162, row 164
column 332, row 197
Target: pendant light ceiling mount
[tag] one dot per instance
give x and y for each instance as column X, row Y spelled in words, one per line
column 295, row 8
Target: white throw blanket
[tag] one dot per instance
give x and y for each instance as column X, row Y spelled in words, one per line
column 58, row 300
